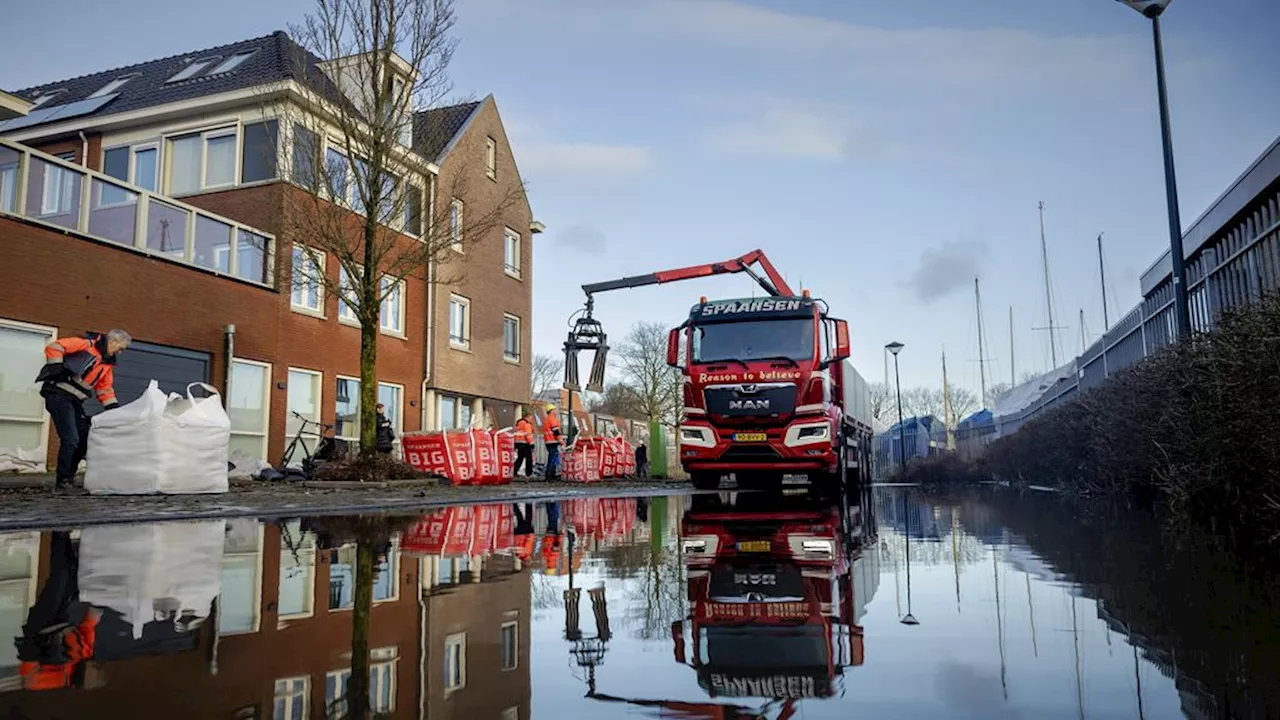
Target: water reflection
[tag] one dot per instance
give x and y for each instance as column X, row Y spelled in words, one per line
column 726, row 605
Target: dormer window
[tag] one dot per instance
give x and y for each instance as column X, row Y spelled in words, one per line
column 114, row 85
column 232, row 62
column 191, row 69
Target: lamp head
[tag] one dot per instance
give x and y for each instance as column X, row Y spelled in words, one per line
column 894, row 347
column 1149, row 8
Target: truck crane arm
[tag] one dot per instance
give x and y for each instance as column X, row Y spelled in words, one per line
column 771, row 281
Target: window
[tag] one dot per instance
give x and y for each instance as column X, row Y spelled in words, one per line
column 146, row 171
column 297, row 571
column 46, row 97
column 347, row 311
column 241, row 594
column 136, row 164
column 306, row 153
column 455, row 224
column 412, row 209
column 114, row 85
column 391, row 396
column 248, row 404
column 510, row 645
column 9, row 180
column 258, row 157
column 511, row 252
column 191, row 69
column 382, row 686
column 342, row 564
column 202, row 160
column 291, row 698
column 391, row 314
column 232, row 62
column 455, row 413
column 304, row 399
column 61, row 186
column 459, row 322
column 346, row 421
column 455, row 662
column 359, row 173
column 336, row 170
column 510, row 338
column 491, row 158
column 308, row 269
column 22, row 416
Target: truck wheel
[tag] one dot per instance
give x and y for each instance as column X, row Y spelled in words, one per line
column 705, row 480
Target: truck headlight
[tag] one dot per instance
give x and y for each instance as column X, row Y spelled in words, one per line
column 697, row 436
column 808, row 434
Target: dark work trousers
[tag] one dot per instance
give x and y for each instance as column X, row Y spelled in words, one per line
column 553, row 460
column 56, row 600
column 524, row 455
column 72, row 425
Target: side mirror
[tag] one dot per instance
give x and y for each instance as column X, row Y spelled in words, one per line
column 673, row 347
column 842, row 340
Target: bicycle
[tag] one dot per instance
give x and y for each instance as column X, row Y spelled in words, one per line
column 328, row 448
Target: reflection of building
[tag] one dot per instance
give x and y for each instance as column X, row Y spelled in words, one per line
column 478, row 616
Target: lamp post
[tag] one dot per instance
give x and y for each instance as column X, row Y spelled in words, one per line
column 1182, row 313
column 907, row 619
column 895, row 348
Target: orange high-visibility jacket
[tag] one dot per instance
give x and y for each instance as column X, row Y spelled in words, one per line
column 97, row 375
column 550, row 426
column 524, row 431
column 79, row 642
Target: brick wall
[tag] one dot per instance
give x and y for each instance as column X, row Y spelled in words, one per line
column 478, row 274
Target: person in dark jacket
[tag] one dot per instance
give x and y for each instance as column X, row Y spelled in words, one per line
column 60, row 632
column 75, row 370
column 386, row 435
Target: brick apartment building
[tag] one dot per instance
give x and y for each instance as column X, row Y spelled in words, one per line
column 446, row 635
column 154, row 198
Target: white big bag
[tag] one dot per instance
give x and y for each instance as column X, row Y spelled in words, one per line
column 160, row 445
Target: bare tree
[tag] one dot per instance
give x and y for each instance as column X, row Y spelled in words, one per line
column 883, row 404
column 617, row 399
column 921, row 401
column 546, row 375
column 656, row 386
column 364, row 66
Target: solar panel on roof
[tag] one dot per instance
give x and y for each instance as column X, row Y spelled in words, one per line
column 57, row 112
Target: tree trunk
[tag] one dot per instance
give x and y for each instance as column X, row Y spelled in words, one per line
column 358, row 684
column 369, row 387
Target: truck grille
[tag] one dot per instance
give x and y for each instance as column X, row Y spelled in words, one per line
column 750, row 452
column 751, row 400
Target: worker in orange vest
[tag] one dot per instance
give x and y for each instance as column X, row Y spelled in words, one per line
column 551, row 437
column 53, row 645
column 75, row 370
column 524, row 444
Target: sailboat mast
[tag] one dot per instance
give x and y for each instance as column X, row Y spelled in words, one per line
column 982, row 360
column 1013, row 380
column 1102, row 275
column 1082, row 338
column 946, row 405
column 1048, row 300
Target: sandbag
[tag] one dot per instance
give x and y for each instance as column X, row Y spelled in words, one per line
column 428, row 452
column 197, row 443
column 126, row 453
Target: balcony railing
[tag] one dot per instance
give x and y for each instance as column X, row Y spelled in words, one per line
column 58, row 193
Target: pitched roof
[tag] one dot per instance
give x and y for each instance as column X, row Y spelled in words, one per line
column 275, row 57
column 435, row 129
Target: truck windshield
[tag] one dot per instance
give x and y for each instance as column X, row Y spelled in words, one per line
column 791, row 339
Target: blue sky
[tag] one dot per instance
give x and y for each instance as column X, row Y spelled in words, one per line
column 881, row 153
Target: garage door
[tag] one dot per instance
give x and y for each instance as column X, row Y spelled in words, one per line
column 173, row 368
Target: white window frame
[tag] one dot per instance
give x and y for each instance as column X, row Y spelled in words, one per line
column 491, row 158
column 43, row 449
column 206, row 134
column 382, row 670
column 232, row 62
column 307, row 551
column 400, row 300
column 296, row 292
column 46, row 97
column 131, row 171
column 515, row 645
column 114, row 85
column 292, row 696
column 257, row 553
column 464, row 343
column 514, row 360
column 317, row 380
column 191, row 69
column 53, row 195
column 347, row 313
column 266, row 402
column 458, row 640
column 359, row 410
column 509, row 235
column 133, row 164
column 456, row 210
column 398, row 423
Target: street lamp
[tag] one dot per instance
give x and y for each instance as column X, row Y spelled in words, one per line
column 1182, row 313
column 907, row 619
column 895, row 348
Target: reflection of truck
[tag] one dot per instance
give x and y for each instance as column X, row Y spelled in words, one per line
column 768, row 389
column 773, row 611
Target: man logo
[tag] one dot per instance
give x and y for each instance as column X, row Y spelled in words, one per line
column 749, row 404
column 748, row 389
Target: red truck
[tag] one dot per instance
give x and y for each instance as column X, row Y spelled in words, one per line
column 768, row 389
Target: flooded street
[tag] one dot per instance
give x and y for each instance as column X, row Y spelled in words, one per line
column 979, row 605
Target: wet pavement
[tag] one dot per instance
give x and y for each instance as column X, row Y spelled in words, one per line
column 984, row 604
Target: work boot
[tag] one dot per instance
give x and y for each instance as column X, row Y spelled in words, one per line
column 64, row 483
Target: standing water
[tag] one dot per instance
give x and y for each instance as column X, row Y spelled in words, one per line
column 892, row 605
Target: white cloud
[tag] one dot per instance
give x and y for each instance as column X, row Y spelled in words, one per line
column 947, row 268
column 583, row 159
column 790, row 128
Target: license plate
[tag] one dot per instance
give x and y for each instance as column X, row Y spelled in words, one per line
column 750, row 437
column 754, row 546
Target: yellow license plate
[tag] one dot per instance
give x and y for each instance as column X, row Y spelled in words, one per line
column 750, row 437
column 754, row 546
